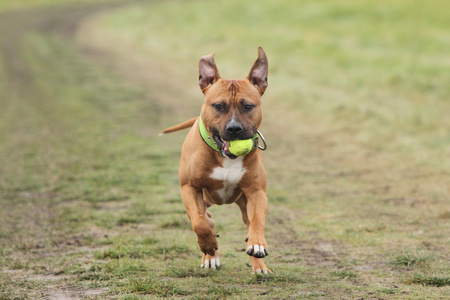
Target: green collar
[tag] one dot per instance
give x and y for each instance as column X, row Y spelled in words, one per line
column 205, row 135
column 207, row 138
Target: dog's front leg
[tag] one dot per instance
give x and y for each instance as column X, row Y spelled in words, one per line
column 255, row 210
column 195, row 207
column 257, row 206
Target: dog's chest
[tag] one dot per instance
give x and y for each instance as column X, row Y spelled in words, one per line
column 230, row 175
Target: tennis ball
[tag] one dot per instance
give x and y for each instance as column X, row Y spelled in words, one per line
column 240, row 147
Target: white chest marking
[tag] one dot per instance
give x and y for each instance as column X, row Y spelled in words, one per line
column 230, row 174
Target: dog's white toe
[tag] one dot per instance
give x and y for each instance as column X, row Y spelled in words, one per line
column 210, row 262
column 257, row 251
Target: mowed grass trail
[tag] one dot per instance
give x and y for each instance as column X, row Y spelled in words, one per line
column 355, row 116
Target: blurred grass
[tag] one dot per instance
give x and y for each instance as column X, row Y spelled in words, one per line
column 16, row 5
column 355, row 117
column 379, row 64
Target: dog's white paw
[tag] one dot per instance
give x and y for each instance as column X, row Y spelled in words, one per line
column 210, row 262
column 257, row 251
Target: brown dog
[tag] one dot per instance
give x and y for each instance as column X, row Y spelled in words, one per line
column 210, row 174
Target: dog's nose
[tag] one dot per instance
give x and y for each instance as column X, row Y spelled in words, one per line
column 234, row 128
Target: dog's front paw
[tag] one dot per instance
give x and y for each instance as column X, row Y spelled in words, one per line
column 257, row 251
column 207, row 241
column 208, row 245
column 210, row 262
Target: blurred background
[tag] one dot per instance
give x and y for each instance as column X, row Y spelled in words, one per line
column 355, row 116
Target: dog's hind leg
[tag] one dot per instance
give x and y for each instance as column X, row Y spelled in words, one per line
column 258, row 266
column 242, row 203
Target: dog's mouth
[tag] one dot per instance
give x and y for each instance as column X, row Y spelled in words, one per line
column 223, row 146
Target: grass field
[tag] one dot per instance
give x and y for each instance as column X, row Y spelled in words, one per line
column 355, row 115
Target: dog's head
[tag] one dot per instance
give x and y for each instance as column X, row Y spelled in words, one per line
column 232, row 108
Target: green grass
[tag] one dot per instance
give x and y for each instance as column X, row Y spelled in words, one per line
column 430, row 280
column 355, row 117
column 412, row 258
column 8, row 6
column 154, row 286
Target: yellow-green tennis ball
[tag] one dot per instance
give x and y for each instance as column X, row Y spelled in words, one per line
column 240, row 147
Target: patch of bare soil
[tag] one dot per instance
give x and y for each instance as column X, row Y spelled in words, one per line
column 74, row 293
column 57, row 285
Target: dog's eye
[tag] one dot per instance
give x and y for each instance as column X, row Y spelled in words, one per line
column 219, row 107
column 248, row 107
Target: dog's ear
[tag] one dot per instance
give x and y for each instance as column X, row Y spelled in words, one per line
column 207, row 72
column 259, row 71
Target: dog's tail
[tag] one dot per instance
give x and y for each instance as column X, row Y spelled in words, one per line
column 184, row 125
